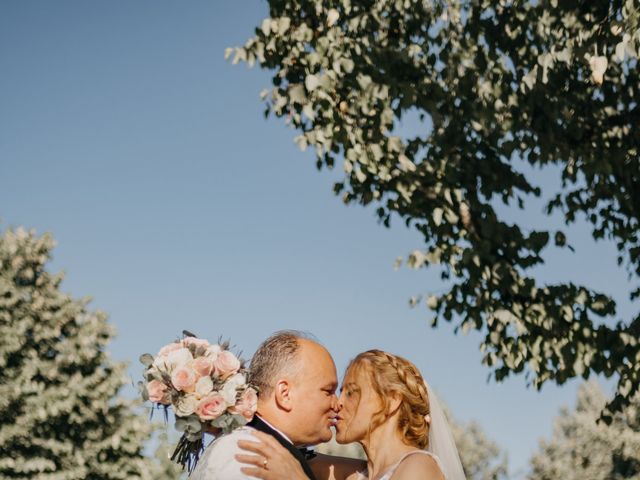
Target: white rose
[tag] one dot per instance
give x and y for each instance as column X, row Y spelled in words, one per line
column 159, row 365
column 213, row 351
column 204, row 386
column 186, row 405
column 230, row 390
column 178, row 358
column 237, row 380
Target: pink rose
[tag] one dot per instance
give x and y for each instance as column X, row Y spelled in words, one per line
column 196, row 342
column 247, row 405
column 211, row 407
column 167, row 349
column 203, row 366
column 184, row 379
column 226, row 364
column 157, row 392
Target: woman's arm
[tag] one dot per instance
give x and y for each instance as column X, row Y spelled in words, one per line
column 281, row 464
column 270, row 460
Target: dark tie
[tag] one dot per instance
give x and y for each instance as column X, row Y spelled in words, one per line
column 307, row 453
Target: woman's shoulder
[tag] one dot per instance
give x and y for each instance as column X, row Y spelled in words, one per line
column 418, row 464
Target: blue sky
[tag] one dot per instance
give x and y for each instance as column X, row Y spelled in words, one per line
column 176, row 205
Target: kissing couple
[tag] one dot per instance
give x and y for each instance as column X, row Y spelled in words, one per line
column 384, row 404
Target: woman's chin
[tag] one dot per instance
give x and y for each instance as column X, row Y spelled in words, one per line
column 341, row 438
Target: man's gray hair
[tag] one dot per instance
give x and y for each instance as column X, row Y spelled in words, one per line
column 276, row 355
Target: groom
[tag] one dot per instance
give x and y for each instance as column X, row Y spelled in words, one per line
column 297, row 381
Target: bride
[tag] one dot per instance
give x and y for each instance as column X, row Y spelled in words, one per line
column 386, row 406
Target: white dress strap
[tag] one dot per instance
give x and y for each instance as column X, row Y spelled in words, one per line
column 389, row 473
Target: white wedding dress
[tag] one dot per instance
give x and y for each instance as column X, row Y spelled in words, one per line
column 218, row 461
column 389, row 473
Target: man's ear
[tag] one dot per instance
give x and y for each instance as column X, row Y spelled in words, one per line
column 283, row 395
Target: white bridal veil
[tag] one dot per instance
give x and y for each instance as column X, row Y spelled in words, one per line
column 441, row 442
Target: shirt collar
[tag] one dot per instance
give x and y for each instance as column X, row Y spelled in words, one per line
column 274, row 428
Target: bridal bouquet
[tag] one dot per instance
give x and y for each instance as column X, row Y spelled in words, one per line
column 206, row 387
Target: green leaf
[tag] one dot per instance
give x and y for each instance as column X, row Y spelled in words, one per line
column 146, row 359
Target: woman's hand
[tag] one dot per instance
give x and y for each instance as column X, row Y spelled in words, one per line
column 271, row 460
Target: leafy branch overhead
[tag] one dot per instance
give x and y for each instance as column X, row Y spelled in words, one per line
column 495, row 84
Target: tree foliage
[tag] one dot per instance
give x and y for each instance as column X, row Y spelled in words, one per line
column 481, row 457
column 60, row 415
column 581, row 448
column 496, row 85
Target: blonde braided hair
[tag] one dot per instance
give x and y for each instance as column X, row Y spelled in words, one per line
column 391, row 375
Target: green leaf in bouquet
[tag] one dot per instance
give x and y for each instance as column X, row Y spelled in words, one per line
column 146, row 359
column 165, row 377
column 187, row 333
column 193, row 424
column 181, row 424
column 189, row 425
column 228, row 422
column 238, row 421
column 223, row 421
column 142, row 388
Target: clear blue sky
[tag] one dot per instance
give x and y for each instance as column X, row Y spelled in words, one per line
column 176, row 205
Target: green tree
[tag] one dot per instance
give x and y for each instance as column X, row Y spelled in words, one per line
column 497, row 85
column 581, row 448
column 165, row 468
column 60, row 414
column 481, row 457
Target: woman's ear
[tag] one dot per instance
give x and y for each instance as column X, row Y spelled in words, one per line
column 394, row 404
column 283, row 395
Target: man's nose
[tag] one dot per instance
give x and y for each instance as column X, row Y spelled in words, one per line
column 335, row 403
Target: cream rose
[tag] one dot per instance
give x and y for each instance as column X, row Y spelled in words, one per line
column 178, row 358
column 211, row 407
column 186, row 405
column 213, row 351
column 184, row 379
column 157, row 392
column 230, row 388
column 204, row 386
column 226, row 364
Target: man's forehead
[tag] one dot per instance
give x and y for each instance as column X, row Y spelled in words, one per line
column 311, row 349
column 316, row 360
